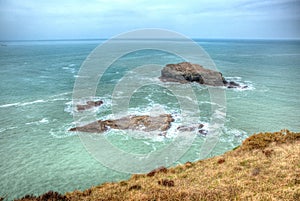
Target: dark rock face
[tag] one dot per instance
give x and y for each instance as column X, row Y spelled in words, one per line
column 89, row 105
column 186, row 72
column 200, row 128
column 186, row 128
column 157, row 170
column 49, row 196
column 135, row 187
column 166, row 182
column 141, row 123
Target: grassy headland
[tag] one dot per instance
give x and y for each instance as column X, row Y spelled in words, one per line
column 265, row 167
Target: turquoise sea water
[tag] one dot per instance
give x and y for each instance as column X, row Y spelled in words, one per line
column 37, row 152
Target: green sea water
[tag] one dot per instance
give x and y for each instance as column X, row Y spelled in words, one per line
column 38, row 153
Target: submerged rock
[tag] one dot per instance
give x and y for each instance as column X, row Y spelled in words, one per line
column 187, row 72
column 199, row 127
column 89, row 105
column 141, row 123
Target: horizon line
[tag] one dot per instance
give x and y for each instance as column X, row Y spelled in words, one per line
column 192, row 38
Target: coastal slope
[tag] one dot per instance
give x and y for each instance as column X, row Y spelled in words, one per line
column 265, row 167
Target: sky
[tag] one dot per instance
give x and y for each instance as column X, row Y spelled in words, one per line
column 91, row 19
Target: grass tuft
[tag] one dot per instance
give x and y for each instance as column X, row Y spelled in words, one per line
column 263, row 140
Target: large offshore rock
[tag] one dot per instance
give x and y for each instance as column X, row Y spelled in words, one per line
column 187, row 72
column 141, row 123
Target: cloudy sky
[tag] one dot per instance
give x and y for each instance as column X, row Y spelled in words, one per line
column 86, row 19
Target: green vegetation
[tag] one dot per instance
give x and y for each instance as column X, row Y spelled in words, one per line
column 263, row 140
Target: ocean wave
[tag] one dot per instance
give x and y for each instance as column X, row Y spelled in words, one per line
column 76, row 76
column 281, row 55
column 69, row 107
column 105, row 106
column 61, row 94
column 42, row 121
column 63, row 131
column 70, row 68
column 233, row 136
column 20, row 104
column 153, row 109
column 8, row 128
column 153, row 136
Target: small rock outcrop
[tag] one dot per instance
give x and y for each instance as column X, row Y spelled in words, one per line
column 49, row 196
column 157, row 170
column 191, row 128
column 89, row 105
column 187, row 72
column 141, row 123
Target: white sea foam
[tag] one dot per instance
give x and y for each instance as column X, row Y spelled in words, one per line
column 245, row 84
column 281, row 55
column 70, row 68
column 42, row 121
column 152, row 136
column 209, row 103
column 8, row 128
column 69, row 107
column 22, row 104
column 19, row 104
column 232, row 136
column 152, row 110
column 9, row 105
column 63, row 131
column 33, row 102
column 76, row 76
column 61, row 94
column 105, row 106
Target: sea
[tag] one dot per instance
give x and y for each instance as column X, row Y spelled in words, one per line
column 37, row 80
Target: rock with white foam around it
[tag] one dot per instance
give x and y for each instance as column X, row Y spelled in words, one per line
column 89, row 105
column 140, row 123
column 187, row 72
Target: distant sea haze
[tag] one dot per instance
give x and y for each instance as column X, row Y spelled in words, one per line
column 37, row 78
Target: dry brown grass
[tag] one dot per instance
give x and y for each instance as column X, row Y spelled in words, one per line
column 265, row 167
